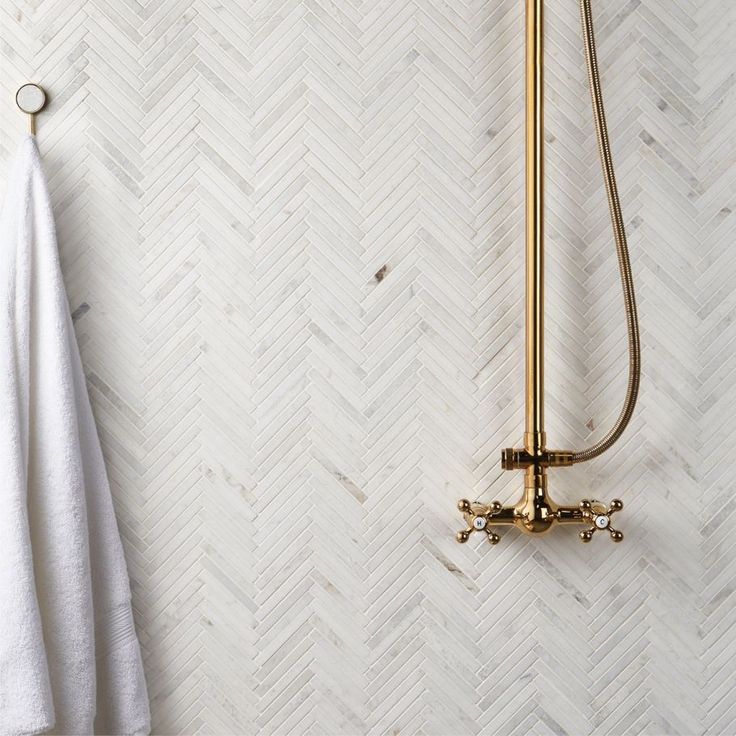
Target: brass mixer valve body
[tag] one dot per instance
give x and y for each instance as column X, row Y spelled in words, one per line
column 536, row 513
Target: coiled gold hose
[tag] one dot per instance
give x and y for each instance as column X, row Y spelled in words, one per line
column 619, row 234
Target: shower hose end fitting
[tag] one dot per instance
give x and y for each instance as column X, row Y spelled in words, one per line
column 514, row 459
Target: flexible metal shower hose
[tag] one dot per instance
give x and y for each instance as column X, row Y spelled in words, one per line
column 619, row 234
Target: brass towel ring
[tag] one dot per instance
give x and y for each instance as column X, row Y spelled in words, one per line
column 31, row 99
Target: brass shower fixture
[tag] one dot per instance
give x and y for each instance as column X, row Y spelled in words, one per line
column 536, row 512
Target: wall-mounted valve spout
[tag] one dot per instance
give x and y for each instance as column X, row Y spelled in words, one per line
column 535, row 512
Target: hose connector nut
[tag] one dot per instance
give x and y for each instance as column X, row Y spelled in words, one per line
column 513, row 459
column 510, row 458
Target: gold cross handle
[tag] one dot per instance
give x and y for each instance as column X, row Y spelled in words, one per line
column 600, row 518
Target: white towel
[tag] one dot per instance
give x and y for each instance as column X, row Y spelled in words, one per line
column 69, row 658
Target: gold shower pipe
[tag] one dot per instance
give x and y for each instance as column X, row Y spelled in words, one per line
column 534, row 438
column 536, row 512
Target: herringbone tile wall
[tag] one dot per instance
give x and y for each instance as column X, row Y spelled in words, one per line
column 292, row 237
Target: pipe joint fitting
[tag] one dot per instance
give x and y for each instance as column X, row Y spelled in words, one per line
column 514, row 459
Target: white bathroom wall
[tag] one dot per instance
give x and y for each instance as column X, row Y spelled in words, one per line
column 292, row 234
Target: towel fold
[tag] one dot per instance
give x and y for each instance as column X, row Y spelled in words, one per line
column 69, row 658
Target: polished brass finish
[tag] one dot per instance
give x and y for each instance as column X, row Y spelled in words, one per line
column 619, row 234
column 600, row 518
column 512, row 459
column 534, row 438
column 536, row 512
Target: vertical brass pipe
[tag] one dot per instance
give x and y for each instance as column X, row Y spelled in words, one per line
column 534, row 438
